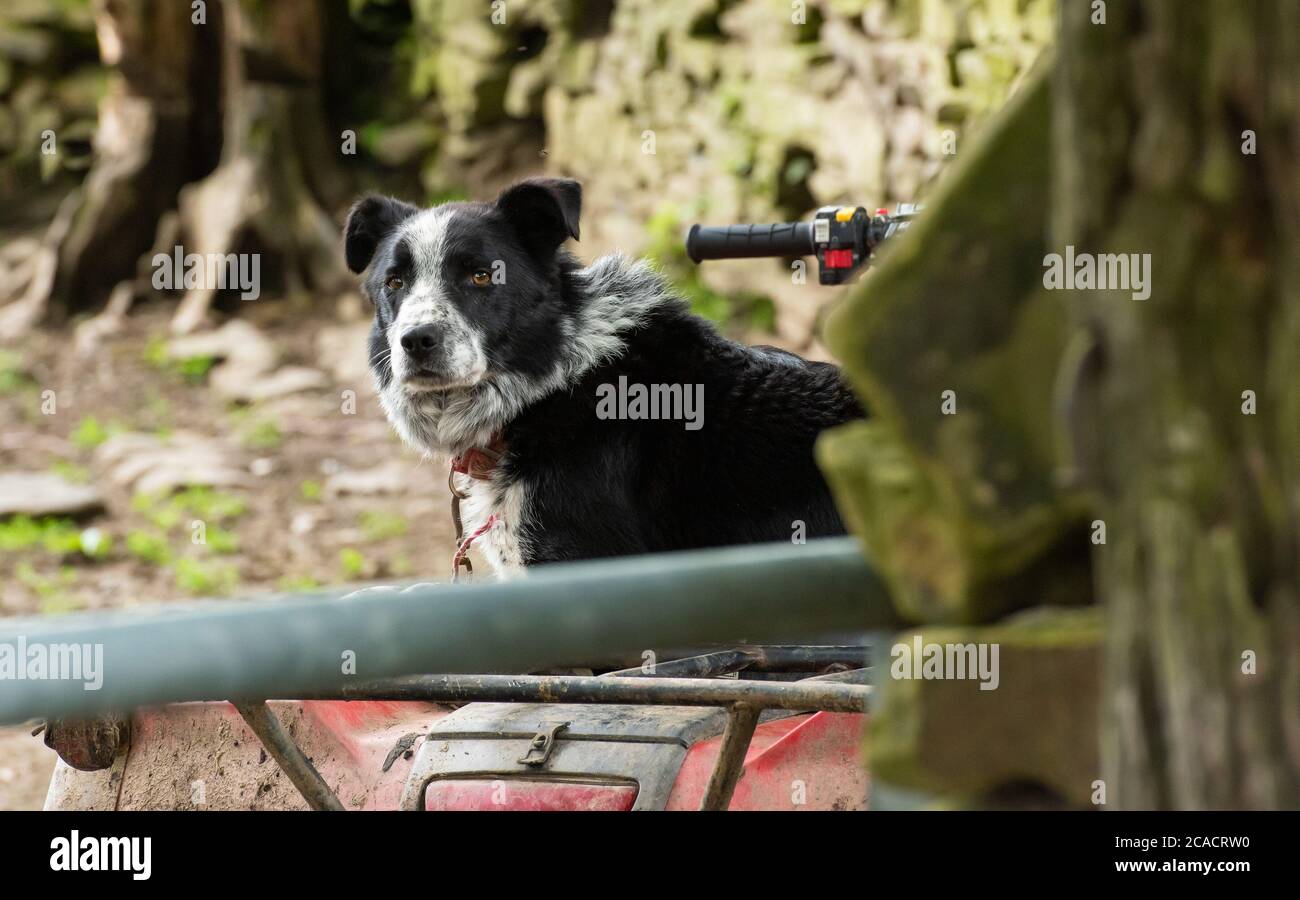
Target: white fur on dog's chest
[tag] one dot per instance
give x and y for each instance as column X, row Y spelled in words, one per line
column 502, row 544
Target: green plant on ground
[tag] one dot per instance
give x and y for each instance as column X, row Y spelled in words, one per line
column 263, row 435
column 311, row 490
column 89, row 433
column 170, row 517
column 70, row 471
column 220, row 541
column 13, row 378
column 158, row 510
column 195, row 576
column 53, row 535
column 209, row 505
column 352, row 563
column 194, row 369
column 203, row 503
column 155, row 352
column 290, row 583
column 149, row 547
column 95, row 544
column 191, row 369
column 53, row 592
column 378, row 525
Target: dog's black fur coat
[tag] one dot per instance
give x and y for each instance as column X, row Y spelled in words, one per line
column 604, row 488
column 599, row 487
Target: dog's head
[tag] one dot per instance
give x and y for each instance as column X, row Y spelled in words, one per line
column 465, row 294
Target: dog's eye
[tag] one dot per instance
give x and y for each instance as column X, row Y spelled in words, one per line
column 481, row 277
column 393, row 283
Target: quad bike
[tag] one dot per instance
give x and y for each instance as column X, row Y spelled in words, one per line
column 735, row 727
column 756, row 727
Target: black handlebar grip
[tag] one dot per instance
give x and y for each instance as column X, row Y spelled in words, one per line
column 748, row 241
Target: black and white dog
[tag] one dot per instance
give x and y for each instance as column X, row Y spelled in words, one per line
column 592, row 412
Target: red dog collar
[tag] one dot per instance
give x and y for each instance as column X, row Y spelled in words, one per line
column 479, row 462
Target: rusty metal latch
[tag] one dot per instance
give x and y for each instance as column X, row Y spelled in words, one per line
column 402, row 748
column 543, row 743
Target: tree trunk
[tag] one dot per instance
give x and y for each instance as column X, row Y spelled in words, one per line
column 278, row 178
column 158, row 128
column 218, row 116
column 1171, row 420
column 1155, row 112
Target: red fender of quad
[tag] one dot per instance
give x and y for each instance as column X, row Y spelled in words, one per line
column 203, row 756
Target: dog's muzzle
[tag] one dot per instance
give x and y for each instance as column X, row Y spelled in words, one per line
column 426, row 353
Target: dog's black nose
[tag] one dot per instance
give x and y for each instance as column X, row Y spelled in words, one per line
column 421, row 341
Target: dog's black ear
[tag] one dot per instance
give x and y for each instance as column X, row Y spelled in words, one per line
column 370, row 220
column 544, row 212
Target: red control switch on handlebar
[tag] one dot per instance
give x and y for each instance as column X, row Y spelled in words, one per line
column 839, row 259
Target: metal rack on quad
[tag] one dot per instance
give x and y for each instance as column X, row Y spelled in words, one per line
column 751, row 727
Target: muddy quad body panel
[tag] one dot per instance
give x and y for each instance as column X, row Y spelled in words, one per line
column 391, row 747
column 389, row 755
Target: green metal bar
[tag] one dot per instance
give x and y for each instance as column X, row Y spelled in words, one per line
column 230, row 650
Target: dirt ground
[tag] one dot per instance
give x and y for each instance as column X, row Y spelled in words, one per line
column 285, row 529
column 25, row 767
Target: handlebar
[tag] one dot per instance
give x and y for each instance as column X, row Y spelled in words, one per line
column 749, row 241
column 843, row 238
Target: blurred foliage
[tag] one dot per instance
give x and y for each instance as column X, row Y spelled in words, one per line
column 293, row 583
column 149, row 547
column 262, row 435
column 737, row 105
column 54, row 535
column 70, row 471
column 378, row 526
column 201, row 503
column 192, row 369
column 89, row 433
column 351, row 563
column 204, row 578
column 54, row 591
column 51, row 82
column 667, row 250
column 734, row 106
column 13, row 377
column 220, row 541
